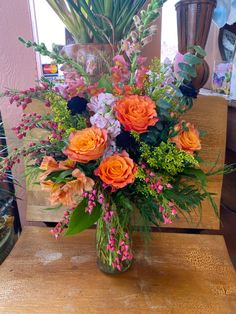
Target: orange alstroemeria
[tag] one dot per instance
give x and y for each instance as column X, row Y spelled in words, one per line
column 49, row 164
column 67, row 194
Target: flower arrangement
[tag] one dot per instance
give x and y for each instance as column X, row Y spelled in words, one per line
column 118, row 152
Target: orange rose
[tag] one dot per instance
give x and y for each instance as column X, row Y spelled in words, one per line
column 86, row 145
column 187, row 140
column 136, row 113
column 117, row 170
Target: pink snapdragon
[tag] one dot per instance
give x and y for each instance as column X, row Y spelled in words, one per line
column 140, row 76
column 120, row 70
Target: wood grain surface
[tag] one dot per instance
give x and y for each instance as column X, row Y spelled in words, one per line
column 178, row 274
column 209, row 113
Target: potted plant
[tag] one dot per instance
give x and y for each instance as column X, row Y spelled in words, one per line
column 96, row 27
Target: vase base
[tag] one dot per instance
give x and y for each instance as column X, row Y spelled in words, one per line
column 109, row 270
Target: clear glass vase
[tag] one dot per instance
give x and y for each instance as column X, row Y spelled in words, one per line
column 113, row 244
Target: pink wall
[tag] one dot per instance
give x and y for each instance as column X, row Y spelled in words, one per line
column 17, row 70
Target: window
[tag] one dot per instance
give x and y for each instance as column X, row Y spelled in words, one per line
column 169, row 40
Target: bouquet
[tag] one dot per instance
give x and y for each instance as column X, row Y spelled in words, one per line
column 115, row 152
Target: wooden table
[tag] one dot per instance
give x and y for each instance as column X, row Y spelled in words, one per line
column 181, row 273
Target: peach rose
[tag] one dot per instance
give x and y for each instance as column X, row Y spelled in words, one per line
column 136, row 113
column 187, row 140
column 86, row 145
column 117, row 170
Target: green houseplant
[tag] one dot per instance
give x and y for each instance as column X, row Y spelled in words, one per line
column 96, row 26
column 97, row 21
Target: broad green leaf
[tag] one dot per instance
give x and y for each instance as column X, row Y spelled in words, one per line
column 184, row 75
column 188, row 69
column 199, row 50
column 191, row 59
column 81, row 220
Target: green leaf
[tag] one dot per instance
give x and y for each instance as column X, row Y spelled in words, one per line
column 105, row 82
column 80, row 220
column 198, row 50
column 163, row 104
column 184, row 75
column 188, row 69
column 53, row 208
column 59, row 176
column 196, row 173
column 191, row 59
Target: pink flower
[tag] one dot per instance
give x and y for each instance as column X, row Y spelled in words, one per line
column 100, row 102
column 174, row 211
column 140, row 76
column 76, row 88
column 179, row 58
column 120, row 71
column 104, row 117
column 166, row 219
column 99, row 121
column 141, row 60
column 119, row 61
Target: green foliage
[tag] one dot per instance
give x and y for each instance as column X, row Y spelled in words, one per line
column 149, row 210
column 62, row 115
column 188, row 68
column 62, row 176
column 191, row 71
column 32, row 173
column 198, row 51
column 168, row 96
column 97, row 20
column 143, row 32
column 81, row 220
column 56, row 56
column 105, row 82
column 196, row 174
column 166, row 157
column 124, row 207
column 186, row 197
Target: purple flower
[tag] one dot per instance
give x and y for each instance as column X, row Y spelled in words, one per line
column 104, row 116
column 102, row 102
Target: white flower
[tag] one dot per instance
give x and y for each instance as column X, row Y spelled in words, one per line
column 99, row 121
column 100, row 102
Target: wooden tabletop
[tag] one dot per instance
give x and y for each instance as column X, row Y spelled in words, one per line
column 181, row 273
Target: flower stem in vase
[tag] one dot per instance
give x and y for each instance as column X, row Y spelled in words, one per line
column 113, row 244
